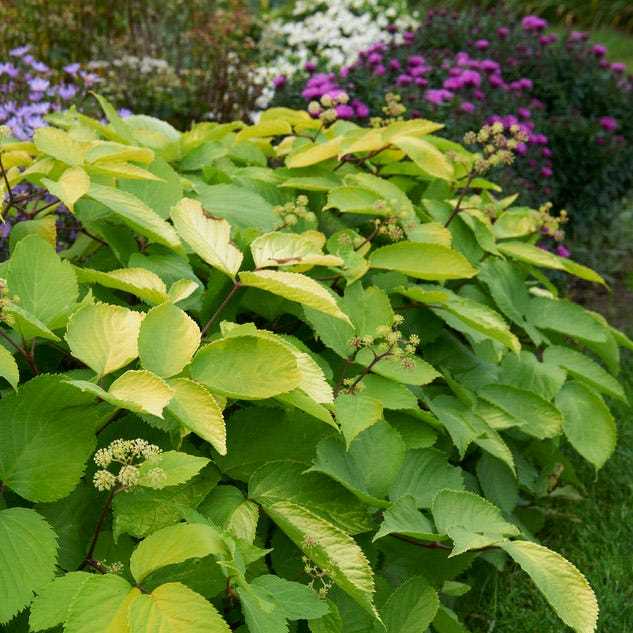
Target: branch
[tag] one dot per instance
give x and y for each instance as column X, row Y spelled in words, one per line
column 369, row 367
column 430, row 545
column 458, row 206
column 236, row 286
column 28, row 356
column 89, row 557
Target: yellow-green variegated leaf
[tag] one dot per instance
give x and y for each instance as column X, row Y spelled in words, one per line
column 121, row 170
column 425, row 155
column 181, row 290
column 174, row 608
column 564, row 587
column 143, row 283
column 209, row 237
column 315, row 153
column 423, row 261
column 294, row 287
column 109, row 152
column 72, row 185
column 275, row 127
column 137, row 390
column 28, row 325
column 59, row 145
column 9, row 368
column 104, row 337
column 197, row 410
column 329, row 547
column 289, row 249
column 167, row 340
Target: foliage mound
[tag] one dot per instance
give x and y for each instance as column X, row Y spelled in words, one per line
column 301, row 375
column 470, row 67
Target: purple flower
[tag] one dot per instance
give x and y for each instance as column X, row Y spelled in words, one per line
column 344, row 72
column 67, row 91
column 467, row 106
column 521, row 149
column 438, row 97
column 578, row 36
column 404, row 80
column 39, row 67
column 19, row 51
column 524, row 113
column 416, row 60
column 124, row 113
column 482, row 44
column 547, row 152
column 279, row 81
column 546, row 40
column 379, row 70
column 618, row 67
column 309, row 67
column 38, row 84
column 533, row 23
column 72, row 69
column 503, row 32
column 361, row 109
column 609, row 124
column 546, row 172
column 392, row 28
column 5, row 229
column 394, row 64
column 599, row 50
column 489, row 66
column 9, row 69
column 408, row 36
column 562, row 251
column 345, row 111
column 421, row 82
column 496, row 81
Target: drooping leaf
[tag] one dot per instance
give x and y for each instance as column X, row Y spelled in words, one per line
column 411, row 607
column 143, row 283
column 355, row 413
column 426, row 156
column 28, row 554
column 9, row 368
column 72, row 185
column 288, row 249
column 403, row 517
column 175, row 468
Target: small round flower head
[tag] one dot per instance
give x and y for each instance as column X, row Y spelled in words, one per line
column 120, row 450
column 103, row 457
column 103, row 480
column 398, row 319
column 156, row 476
column 128, row 476
column 150, row 450
column 414, row 339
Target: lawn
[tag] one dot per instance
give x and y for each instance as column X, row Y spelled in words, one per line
column 596, row 534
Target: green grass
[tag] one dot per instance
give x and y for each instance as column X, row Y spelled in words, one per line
column 596, row 534
column 620, row 45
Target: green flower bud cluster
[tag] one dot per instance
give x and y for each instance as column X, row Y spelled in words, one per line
column 551, row 224
column 325, row 109
column 292, row 212
column 320, row 581
column 129, row 454
column 497, row 146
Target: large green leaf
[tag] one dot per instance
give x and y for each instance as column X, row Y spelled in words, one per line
column 227, row 508
column 104, row 337
column 208, row 237
column 426, row 156
column 294, row 287
column 47, row 432
column 247, row 367
column 411, row 607
column 433, row 262
column 167, row 340
column 403, row 517
column 143, row 283
column 288, row 249
column 45, row 286
column 587, row 423
column 175, row 467
column 71, row 185
column 355, row 413
column 564, row 587
column 9, row 368
column 28, row 554
column 173, row 545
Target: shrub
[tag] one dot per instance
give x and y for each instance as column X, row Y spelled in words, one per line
column 472, row 67
column 284, row 371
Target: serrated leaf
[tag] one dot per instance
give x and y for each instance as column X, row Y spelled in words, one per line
column 311, row 154
column 136, row 214
column 140, row 282
column 72, row 185
column 426, row 156
column 175, row 544
column 418, row 372
column 101, row 605
column 104, row 337
column 411, row 607
column 52, row 604
column 176, row 468
column 296, row 601
column 46, row 285
column 330, row 548
column 424, row 472
column 587, row 423
column 9, row 368
column 585, row 369
column 247, row 367
column 564, row 587
column 227, row 508
column 403, row 517
column 137, row 390
column 28, row 555
column 167, row 340
column 209, row 237
column 294, row 287
column 290, row 249
column 423, row 261
column 355, row 413
column 47, row 432
column 59, row 145
column 471, row 521
column 197, row 410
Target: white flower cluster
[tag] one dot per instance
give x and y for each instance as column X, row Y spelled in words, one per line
column 145, row 65
column 331, row 34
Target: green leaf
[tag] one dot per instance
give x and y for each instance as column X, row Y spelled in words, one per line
column 335, row 333
column 288, row 481
column 143, row 283
column 227, row 508
column 176, row 468
column 28, row 555
column 355, row 200
column 101, row 605
column 294, row 287
column 290, row 249
column 46, row 285
column 197, row 410
column 424, row 472
column 329, row 623
column 330, row 548
column 544, row 378
column 209, row 237
column 403, row 517
column 423, row 261
column 470, row 521
column 368, row 309
column 391, row 394
column 427, row 157
column 136, row 214
column 533, row 414
column 72, row 185
column 52, row 604
column 313, row 153
column 167, row 340
column 355, row 413
column 262, row 612
column 9, row 368
column 587, row 423
column 242, row 207
column 104, row 337
column 584, row 369
column 297, row 601
column 59, row 145
column 175, row 544
column 498, row 483
column 411, row 607
column 246, row 367
column 421, row 373
column 564, row 587
column 47, row 432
